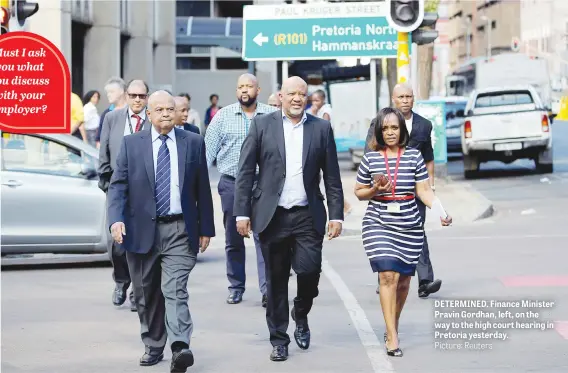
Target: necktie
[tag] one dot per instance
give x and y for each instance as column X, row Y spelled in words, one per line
column 163, row 179
column 138, row 121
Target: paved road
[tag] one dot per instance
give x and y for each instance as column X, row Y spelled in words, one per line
column 62, row 320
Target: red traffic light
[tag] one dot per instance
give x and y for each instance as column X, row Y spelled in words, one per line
column 4, row 16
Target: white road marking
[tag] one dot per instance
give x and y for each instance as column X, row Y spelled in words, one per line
column 528, row 212
column 375, row 351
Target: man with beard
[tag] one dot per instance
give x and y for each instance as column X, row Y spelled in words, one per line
column 223, row 140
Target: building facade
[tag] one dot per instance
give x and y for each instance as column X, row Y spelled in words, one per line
column 478, row 28
column 101, row 39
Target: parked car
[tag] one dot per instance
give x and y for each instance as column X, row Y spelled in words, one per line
column 50, row 199
column 505, row 124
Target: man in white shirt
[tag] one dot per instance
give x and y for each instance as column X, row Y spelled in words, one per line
column 286, row 208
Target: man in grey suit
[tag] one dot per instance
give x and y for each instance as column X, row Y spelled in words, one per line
column 420, row 130
column 117, row 124
column 160, row 207
column 286, row 207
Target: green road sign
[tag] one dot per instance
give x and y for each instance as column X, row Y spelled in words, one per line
column 317, row 31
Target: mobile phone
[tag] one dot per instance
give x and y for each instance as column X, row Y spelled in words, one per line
column 377, row 176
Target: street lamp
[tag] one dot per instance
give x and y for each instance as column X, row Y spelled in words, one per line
column 488, row 32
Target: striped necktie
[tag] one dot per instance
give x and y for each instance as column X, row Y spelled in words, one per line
column 163, row 179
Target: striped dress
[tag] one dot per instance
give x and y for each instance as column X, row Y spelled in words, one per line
column 393, row 239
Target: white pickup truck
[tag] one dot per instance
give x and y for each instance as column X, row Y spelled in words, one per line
column 505, row 124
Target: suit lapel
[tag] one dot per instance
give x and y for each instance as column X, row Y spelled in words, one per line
column 279, row 132
column 416, row 122
column 149, row 158
column 308, row 132
column 182, row 154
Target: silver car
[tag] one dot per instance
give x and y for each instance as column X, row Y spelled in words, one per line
column 50, row 201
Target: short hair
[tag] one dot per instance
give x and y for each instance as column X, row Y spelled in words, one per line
column 321, row 93
column 186, row 95
column 213, row 95
column 89, row 95
column 118, row 81
column 378, row 142
column 143, row 82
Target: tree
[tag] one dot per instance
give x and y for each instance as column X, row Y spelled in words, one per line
column 425, row 59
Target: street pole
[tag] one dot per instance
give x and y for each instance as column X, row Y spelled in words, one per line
column 373, row 67
column 284, row 70
column 414, row 67
column 402, row 58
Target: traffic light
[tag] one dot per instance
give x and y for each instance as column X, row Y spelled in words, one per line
column 24, row 10
column 426, row 33
column 405, row 15
column 4, row 17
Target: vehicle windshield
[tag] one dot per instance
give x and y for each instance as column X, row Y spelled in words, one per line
column 493, row 99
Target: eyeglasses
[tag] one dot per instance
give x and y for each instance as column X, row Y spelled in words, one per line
column 134, row 95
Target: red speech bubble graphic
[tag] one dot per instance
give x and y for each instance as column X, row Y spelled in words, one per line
column 35, row 85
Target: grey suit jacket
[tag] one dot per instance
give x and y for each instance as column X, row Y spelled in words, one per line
column 264, row 146
column 111, row 139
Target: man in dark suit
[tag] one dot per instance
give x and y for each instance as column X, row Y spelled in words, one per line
column 117, row 124
column 420, row 130
column 286, row 207
column 161, row 210
column 180, row 119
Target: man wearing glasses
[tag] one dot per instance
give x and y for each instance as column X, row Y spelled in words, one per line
column 117, row 124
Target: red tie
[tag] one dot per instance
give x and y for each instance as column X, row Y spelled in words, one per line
column 138, row 121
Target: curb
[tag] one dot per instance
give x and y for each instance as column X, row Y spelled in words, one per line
column 488, row 208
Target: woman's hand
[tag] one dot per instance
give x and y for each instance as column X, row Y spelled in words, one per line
column 382, row 189
column 447, row 221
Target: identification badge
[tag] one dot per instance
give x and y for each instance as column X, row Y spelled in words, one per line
column 393, row 207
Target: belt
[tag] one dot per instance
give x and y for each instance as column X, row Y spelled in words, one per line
column 293, row 208
column 169, row 218
column 229, row 177
column 387, row 198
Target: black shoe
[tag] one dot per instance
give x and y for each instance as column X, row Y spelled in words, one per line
column 302, row 332
column 279, row 353
column 181, row 360
column 264, row 301
column 235, row 297
column 427, row 288
column 396, row 352
column 118, row 295
column 150, row 359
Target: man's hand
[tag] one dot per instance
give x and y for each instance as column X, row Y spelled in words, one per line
column 333, row 229
column 243, row 227
column 118, row 230
column 447, row 221
column 203, row 243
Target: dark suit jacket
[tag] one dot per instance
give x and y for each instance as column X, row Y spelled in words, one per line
column 131, row 192
column 420, row 137
column 111, row 140
column 264, row 146
column 191, row 128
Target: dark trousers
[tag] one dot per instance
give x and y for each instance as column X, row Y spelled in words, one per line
column 290, row 240
column 117, row 256
column 159, row 279
column 235, row 243
column 424, row 266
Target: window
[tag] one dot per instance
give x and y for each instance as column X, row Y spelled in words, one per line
column 231, row 64
column 23, row 153
column 503, row 99
column 193, row 63
column 193, row 8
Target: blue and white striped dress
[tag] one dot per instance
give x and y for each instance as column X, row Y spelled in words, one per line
column 393, row 240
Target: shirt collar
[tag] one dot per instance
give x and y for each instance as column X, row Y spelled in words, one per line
column 302, row 121
column 259, row 109
column 156, row 135
column 142, row 113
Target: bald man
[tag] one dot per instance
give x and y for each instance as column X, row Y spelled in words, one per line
column 286, row 209
column 420, row 130
column 274, row 101
column 224, row 139
column 161, row 211
column 182, row 112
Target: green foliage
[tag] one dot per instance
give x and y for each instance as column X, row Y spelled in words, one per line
column 431, row 5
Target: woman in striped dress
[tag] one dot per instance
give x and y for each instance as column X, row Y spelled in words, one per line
column 393, row 234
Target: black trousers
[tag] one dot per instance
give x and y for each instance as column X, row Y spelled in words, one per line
column 290, row 240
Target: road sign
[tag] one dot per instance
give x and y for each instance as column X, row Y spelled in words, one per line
column 317, row 31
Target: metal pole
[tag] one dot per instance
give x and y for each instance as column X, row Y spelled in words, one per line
column 284, row 70
column 252, row 68
column 373, row 67
column 402, row 58
column 414, row 68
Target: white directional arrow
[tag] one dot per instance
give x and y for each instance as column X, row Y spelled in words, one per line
column 259, row 39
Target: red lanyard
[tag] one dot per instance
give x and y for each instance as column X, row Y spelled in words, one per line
column 393, row 181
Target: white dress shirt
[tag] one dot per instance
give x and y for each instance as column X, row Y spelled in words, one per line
column 409, row 123
column 133, row 121
column 175, row 192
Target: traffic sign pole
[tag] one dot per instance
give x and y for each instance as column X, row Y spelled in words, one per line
column 402, row 58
